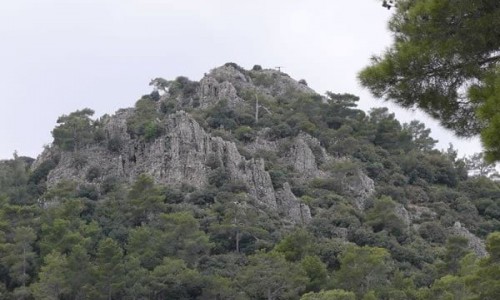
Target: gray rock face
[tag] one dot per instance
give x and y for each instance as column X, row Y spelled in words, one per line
column 475, row 243
column 280, row 84
column 179, row 156
column 231, row 74
column 361, row 187
column 302, row 158
column 262, row 144
column 185, row 152
column 297, row 212
column 211, row 92
column 402, row 214
column 277, row 83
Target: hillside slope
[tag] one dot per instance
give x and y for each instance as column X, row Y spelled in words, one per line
column 244, row 185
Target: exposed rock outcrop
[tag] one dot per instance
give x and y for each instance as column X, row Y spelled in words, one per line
column 360, row 187
column 402, row 214
column 475, row 243
column 178, row 156
column 185, row 153
column 211, row 92
column 306, row 155
column 296, row 211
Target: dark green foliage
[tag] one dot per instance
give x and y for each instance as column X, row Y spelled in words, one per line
column 296, row 246
column 115, row 144
column 184, row 89
column 444, row 60
column 75, row 130
column 363, row 269
column 94, row 172
column 88, row 191
column 155, row 95
column 270, row 276
column 263, row 79
column 113, row 237
column 432, row 231
column 257, row 68
column 236, row 66
column 167, row 107
column 383, row 216
column 244, row 134
column 145, row 122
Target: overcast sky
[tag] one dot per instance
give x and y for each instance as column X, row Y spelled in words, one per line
column 57, row 56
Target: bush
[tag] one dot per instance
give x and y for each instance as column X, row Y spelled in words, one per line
column 202, row 196
column 79, row 160
column 257, row 68
column 88, row 191
column 173, row 195
column 281, row 130
column 152, row 130
column 155, row 96
column 218, row 177
column 145, row 121
column 245, row 134
column 235, row 187
column 168, row 107
column 330, row 184
column 41, row 172
column 432, row 232
column 109, row 184
column 115, row 144
column 278, row 177
column 236, row 66
column 93, row 173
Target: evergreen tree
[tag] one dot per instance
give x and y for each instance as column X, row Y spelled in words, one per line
column 444, row 60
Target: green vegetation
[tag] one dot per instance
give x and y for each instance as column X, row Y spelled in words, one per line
column 444, row 60
column 145, row 122
column 74, row 130
column 105, row 237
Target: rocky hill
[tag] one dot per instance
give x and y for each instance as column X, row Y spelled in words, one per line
column 186, row 153
column 245, row 171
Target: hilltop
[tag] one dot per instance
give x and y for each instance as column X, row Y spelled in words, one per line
column 246, row 184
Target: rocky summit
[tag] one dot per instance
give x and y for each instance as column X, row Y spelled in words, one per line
column 246, row 184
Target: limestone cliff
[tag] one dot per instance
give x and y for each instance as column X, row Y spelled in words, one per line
column 186, row 152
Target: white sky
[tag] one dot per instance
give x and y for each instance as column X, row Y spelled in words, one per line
column 57, row 56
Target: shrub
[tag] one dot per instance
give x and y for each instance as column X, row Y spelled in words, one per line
column 432, row 232
column 41, row 172
column 145, row 121
column 109, row 184
column 278, row 177
column 257, row 68
column 245, row 134
column 155, row 96
column 88, row 191
column 213, row 162
column 152, row 130
column 93, row 173
column 263, row 79
column 79, row 160
column 218, row 177
column 168, row 107
column 236, row 66
column 115, row 144
column 303, row 82
column 330, row 184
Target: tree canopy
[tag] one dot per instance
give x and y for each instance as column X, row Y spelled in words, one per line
column 444, row 60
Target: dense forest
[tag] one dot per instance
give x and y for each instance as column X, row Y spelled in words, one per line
column 72, row 227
